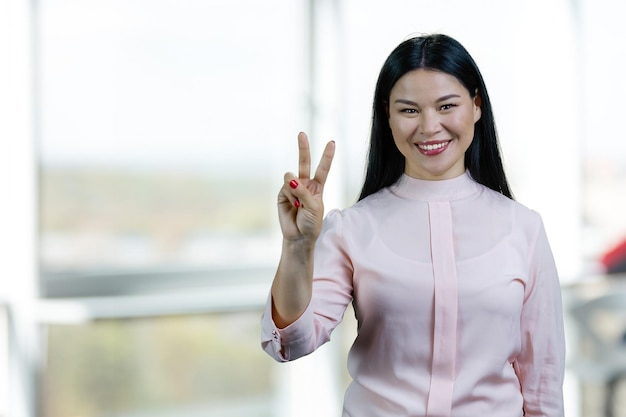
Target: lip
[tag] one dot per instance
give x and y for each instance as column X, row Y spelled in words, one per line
column 433, row 147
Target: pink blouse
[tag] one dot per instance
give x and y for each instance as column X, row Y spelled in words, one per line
column 457, row 299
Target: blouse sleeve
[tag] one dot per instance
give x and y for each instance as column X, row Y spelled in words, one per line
column 541, row 362
column 332, row 292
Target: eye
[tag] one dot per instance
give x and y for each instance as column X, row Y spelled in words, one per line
column 408, row 111
column 447, row 106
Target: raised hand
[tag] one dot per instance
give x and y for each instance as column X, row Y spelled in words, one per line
column 300, row 205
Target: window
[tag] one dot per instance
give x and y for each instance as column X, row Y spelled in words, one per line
column 163, row 129
column 167, row 366
column 160, row 127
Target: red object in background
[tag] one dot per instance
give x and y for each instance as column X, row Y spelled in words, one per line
column 614, row 260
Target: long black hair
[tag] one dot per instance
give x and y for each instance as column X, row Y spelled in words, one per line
column 385, row 163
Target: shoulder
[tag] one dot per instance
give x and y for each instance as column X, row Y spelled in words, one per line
column 370, row 203
column 526, row 217
column 360, row 220
column 523, row 222
column 520, row 212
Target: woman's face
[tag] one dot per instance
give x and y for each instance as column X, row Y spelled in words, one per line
column 432, row 117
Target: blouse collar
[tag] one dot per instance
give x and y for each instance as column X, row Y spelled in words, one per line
column 430, row 190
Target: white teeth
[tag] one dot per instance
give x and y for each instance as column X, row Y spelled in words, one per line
column 432, row 147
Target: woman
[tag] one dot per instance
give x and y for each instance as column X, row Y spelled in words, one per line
column 453, row 282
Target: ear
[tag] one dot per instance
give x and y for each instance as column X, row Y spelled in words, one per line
column 387, row 108
column 478, row 102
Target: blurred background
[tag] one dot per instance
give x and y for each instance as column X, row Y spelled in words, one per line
column 142, row 146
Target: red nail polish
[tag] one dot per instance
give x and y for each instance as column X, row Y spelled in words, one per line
column 296, row 203
column 293, row 184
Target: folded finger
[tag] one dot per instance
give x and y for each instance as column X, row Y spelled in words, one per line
column 291, row 188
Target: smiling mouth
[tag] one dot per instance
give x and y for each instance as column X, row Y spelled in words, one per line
column 432, row 148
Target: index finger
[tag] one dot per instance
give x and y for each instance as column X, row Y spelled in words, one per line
column 321, row 173
column 304, row 156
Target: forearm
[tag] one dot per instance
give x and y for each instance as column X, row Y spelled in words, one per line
column 292, row 286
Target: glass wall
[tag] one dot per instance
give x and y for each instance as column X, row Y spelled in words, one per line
column 163, row 129
column 171, row 366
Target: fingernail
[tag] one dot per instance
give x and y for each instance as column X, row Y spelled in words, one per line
column 293, row 184
column 296, row 203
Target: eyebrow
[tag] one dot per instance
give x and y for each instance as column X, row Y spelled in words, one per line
column 439, row 100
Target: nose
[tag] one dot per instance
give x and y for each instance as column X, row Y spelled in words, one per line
column 429, row 123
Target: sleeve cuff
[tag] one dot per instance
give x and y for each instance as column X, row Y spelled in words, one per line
column 290, row 342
